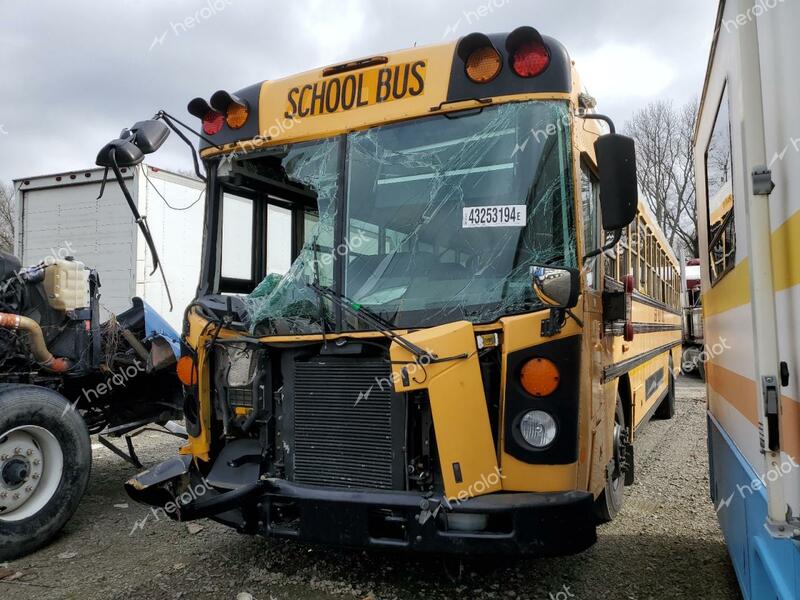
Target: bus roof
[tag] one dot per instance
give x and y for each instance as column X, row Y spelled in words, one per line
column 387, row 88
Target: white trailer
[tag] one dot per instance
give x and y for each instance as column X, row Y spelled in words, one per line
column 60, row 215
column 747, row 155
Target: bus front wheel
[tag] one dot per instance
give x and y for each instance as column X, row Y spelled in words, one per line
column 610, row 500
column 45, row 458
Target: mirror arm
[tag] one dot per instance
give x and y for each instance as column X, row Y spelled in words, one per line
column 577, row 320
column 614, row 241
column 599, row 117
column 166, row 118
column 554, row 323
column 103, row 185
column 141, row 222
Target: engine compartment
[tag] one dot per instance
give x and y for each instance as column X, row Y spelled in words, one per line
column 117, row 373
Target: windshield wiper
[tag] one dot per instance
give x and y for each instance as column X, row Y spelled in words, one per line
column 374, row 320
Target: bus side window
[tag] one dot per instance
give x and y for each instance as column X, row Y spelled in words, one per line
column 236, row 268
column 279, row 239
column 590, row 189
column 634, row 254
column 719, row 195
column 624, row 256
column 643, row 267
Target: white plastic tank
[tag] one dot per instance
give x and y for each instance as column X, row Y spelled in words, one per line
column 66, row 283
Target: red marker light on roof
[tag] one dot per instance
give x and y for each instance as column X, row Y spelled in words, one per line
column 213, row 122
column 530, row 59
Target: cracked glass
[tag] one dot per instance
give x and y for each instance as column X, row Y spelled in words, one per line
column 443, row 218
column 286, row 303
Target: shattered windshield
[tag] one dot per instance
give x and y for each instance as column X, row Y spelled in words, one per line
column 443, row 218
column 286, row 303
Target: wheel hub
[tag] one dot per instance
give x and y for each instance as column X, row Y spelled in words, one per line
column 15, row 473
column 21, row 468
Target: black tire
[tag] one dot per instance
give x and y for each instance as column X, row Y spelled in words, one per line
column 610, row 500
column 666, row 410
column 37, row 407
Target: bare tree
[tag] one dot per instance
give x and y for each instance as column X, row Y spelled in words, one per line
column 665, row 165
column 6, row 217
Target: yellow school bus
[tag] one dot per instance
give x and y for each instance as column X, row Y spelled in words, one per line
column 428, row 315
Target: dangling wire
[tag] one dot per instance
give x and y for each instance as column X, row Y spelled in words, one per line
column 160, row 195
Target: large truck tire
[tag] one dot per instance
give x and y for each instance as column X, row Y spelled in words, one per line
column 610, row 501
column 45, row 460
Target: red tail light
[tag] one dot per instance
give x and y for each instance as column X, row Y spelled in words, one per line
column 530, row 59
column 213, row 122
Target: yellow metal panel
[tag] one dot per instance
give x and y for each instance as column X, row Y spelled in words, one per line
column 285, row 132
column 520, row 332
column 458, row 404
column 280, row 120
column 200, row 446
column 786, row 254
column 729, row 292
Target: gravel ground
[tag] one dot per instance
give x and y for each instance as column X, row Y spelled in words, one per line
column 664, row 544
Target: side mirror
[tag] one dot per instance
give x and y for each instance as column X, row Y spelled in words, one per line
column 556, row 287
column 619, row 191
column 150, row 135
column 126, row 153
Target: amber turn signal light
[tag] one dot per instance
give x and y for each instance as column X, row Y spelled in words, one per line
column 187, row 371
column 484, row 65
column 237, row 115
column 540, row 377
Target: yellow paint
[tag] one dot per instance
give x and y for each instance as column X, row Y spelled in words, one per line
column 197, row 334
column 357, row 89
column 786, row 253
column 281, row 131
column 733, row 289
column 458, row 406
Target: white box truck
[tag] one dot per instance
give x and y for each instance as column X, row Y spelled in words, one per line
column 60, row 215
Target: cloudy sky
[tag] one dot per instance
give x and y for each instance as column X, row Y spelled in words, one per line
column 76, row 72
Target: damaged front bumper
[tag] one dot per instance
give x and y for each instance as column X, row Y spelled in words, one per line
column 539, row 524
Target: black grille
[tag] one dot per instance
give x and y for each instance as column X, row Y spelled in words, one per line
column 341, row 440
column 240, row 396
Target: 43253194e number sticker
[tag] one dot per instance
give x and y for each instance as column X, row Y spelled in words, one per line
column 511, row 215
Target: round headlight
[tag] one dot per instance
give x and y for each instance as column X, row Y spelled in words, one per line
column 538, row 428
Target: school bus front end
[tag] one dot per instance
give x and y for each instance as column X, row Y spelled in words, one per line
column 391, row 344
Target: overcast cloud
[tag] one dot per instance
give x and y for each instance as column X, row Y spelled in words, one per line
column 76, row 72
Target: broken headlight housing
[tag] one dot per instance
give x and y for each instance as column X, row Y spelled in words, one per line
column 239, row 383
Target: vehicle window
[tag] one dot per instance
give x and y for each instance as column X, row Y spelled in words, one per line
column 719, row 186
column 279, row 239
column 591, row 228
column 237, row 237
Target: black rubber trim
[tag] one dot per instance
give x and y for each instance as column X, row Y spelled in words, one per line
column 613, row 371
column 562, row 404
column 618, row 329
column 251, row 95
column 556, row 78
